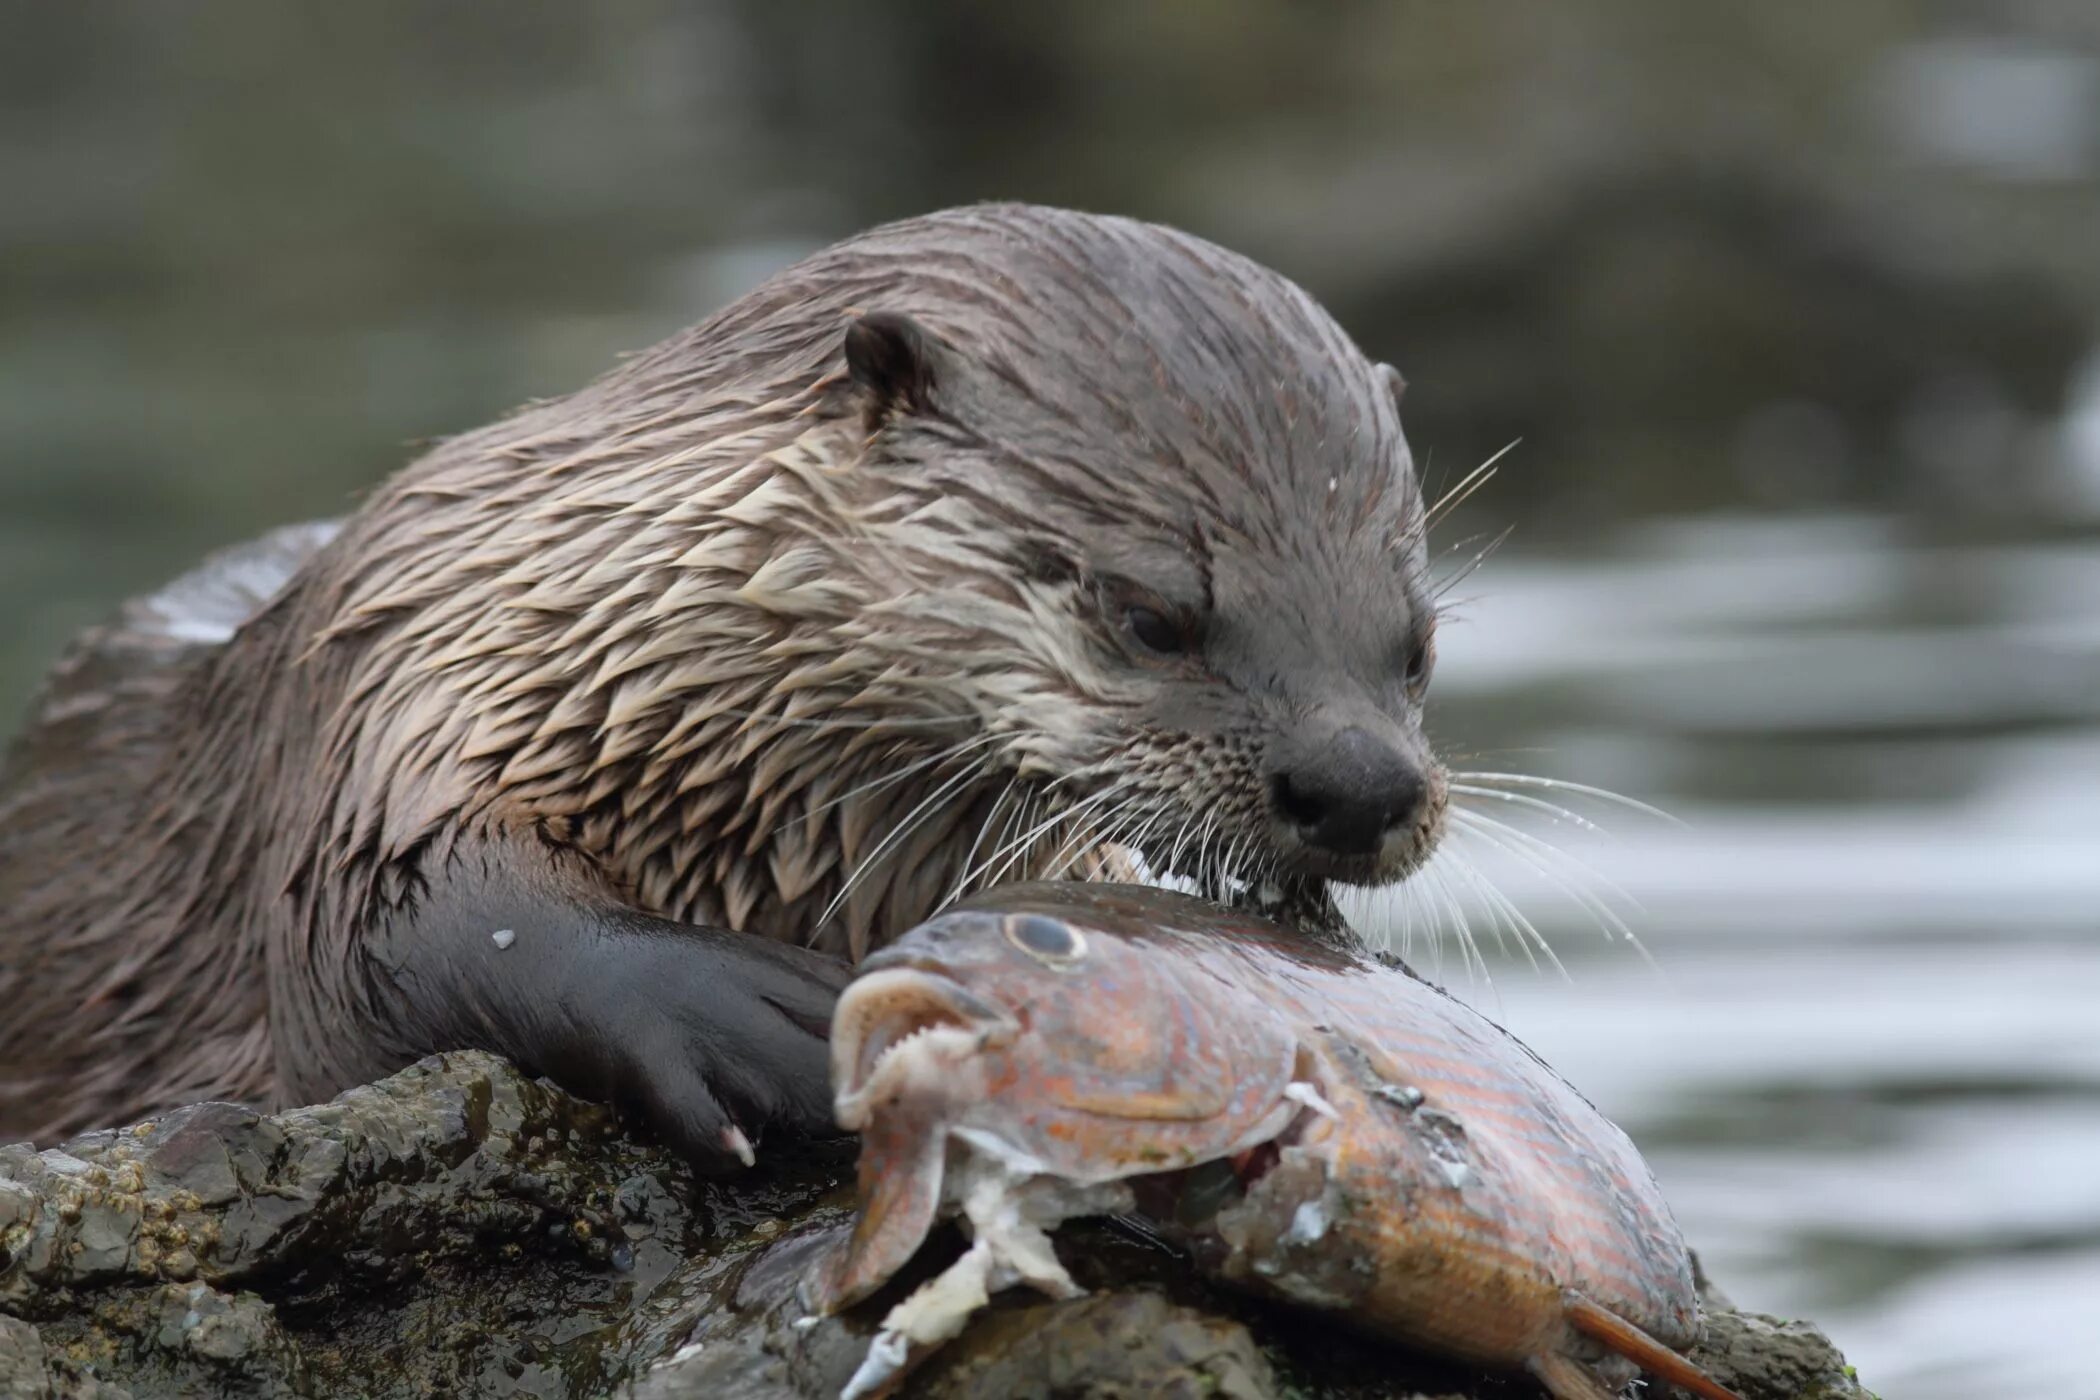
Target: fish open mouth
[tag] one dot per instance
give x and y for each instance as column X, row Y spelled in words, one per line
column 902, row 1030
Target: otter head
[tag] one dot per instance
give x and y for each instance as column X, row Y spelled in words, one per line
column 971, row 549
column 1166, row 535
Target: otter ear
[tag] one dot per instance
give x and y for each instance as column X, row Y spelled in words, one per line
column 1394, row 383
column 894, row 361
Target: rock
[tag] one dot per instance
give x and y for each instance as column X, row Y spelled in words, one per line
column 461, row 1229
column 1766, row 1359
column 23, row 1372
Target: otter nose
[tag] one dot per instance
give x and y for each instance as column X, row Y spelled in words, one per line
column 1346, row 794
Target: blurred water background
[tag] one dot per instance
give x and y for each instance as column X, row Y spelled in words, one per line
column 1795, row 310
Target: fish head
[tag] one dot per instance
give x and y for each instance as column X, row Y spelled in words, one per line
column 1052, row 1043
column 1059, row 1041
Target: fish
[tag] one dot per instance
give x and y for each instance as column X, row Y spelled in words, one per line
column 1308, row 1121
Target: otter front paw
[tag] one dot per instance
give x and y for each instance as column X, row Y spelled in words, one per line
column 713, row 1039
column 737, row 1051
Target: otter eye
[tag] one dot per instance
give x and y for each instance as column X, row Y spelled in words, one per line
column 1154, row 632
column 1421, row 660
column 1048, row 941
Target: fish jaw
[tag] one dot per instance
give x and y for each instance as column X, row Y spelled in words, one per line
column 908, row 1040
column 901, row 1170
column 1010, row 1219
column 907, row 1062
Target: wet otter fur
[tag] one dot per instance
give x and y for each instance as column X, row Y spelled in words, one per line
column 973, row 548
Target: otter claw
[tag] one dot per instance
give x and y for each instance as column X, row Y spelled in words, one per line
column 738, row 1146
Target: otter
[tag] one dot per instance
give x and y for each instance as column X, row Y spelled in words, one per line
column 1001, row 543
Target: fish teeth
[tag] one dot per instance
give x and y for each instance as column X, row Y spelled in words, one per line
column 894, row 1047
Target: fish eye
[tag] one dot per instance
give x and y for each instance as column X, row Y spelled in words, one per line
column 1049, row 941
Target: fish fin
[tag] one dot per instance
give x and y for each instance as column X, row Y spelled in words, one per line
column 1629, row 1341
column 1565, row 1378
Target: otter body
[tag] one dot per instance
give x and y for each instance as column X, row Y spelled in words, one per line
column 970, row 549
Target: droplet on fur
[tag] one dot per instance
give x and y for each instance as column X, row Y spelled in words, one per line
column 503, row 937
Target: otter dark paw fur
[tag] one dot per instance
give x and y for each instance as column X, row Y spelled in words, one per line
column 714, row 1039
column 738, row 1046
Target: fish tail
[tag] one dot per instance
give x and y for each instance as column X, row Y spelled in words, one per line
column 1629, row 1341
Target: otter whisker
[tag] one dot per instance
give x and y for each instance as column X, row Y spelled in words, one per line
column 1107, row 829
column 1077, row 775
column 1559, row 862
column 1019, row 851
column 1087, row 835
column 1001, row 806
column 1556, row 812
column 1420, row 903
column 1466, row 570
column 1143, row 835
column 1028, row 813
column 1468, row 941
column 1563, row 785
column 1609, row 922
column 1383, row 918
column 1130, row 827
column 1570, row 865
column 1088, row 839
column 1063, row 814
column 984, row 829
column 1528, row 935
column 1607, row 919
column 1396, row 907
column 1471, row 960
column 1456, row 494
column 1428, row 886
column 927, row 805
column 1414, row 900
column 1461, row 926
column 1222, row 865
column 889, row 780
column 1210, row 859
column 1011, row 848
column 1246, row 862
column 835, row 722
column 1266, row 870
column 1204, row 855
column 1370, row 911
column 1077, row 814
column 1178, row 844
column 1470, row 875
column 1440, row 881
column 1204, row 861
column 1231, row 863
column 1253, row 861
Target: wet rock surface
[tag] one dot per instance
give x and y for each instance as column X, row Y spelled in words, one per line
column 461, row 1229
